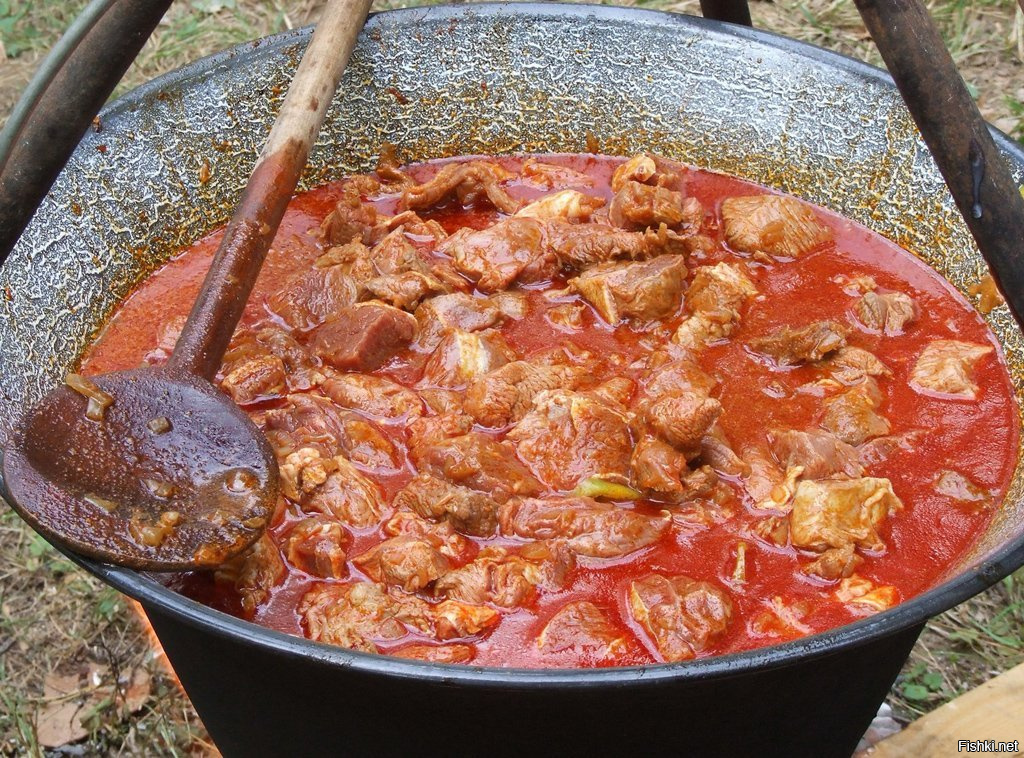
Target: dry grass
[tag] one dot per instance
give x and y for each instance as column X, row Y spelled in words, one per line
column 56, row 620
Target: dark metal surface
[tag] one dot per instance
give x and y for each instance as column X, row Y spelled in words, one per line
column 959, row 139
column 56, row 119
column 797, row 118
column 731, row 11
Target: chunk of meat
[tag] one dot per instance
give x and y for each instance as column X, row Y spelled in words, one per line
column 862, row 593
column 944, row 368
column 661, row 471
column 582, row 630
column 468, row 511
column 351, row 219
column 683, row 420
column 887, row 313
column 716, row 451
column 790, row 347
column 347, row 495
column 260, row 377
column 641, row 206
column 819, row 454
column 834, row 564
column 853, row 416
column 676, row 377
column 254, row 573
column 353, row 259
column 645, row 291
column 783, row 227
column 317, row 546
column 461, row 357
column 454, row 620
column 639, row 168
column 850, row 365
column 577, row 246
column 436, row 653
column 589, row 527
column 549, row 176
column 567, row 317
column 506, row 394
column 568, row 205
column 837, row 513
column 363, row 337
column 476, row 461
column 469, row 182
column 570, row 436
column 366, row 445
column 313, row 296
column 254, row 363
column 405, row 290
column 880, row 448
column 955, row 485
column 510, row 250
column 681, row 616
column 431, row 430
column 509, row 579
column 441, row 534
column 373, row 395
column 405, row 561
column 454, row 311
column 361, row 615
column 714, row 298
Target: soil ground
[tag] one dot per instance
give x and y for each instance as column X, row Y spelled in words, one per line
column 77, row 673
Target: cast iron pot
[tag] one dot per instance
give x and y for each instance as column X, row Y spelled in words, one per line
column 496, row 79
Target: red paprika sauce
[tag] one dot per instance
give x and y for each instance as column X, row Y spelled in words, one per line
column 773, row 601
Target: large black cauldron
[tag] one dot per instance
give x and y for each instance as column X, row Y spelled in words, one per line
column 490, row 79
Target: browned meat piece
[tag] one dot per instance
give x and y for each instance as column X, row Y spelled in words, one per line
column 453, row 620
column 716, row 451
column 641, row 206
column 658, row 469
column 834, row 564
column 507, row 579
column 469, row 512
column 714, row 299
column 436, row 653
column 506, row 394
column 584, row 631
column 681, row 616
column 813, row 342
column 306, row 421
column 780, row 226
column 683, row 420
column 261, row 365
column 774, row 530
column 254, row 573
column 589, row 527
column 865, row 596
column 347, row 495
column 850, row 365
column 577, row 246
column 836, row 513
column 431, row 430
column 389, row 167
column 361, row 615
column 313, row 296
column 677, row 377
column 353, row 260
column 441, row 535
column 886, row 313
column 405, row 290
column 476, row 461
column 567, row 317
column 550, row 176
column 880, row 448
column 364, row 337
column 461, row 357
column 645, row 168
column 469, row 182
column 373, row 395
column 568, row 205
column 646, row 291
column 258, row 378
column 853, row 415
column 944, row 368
column 442, row 401
column 405, row 561
column 365, row 444
column 454, row 311
column 764, row 475
column 617, row 391
column 570, row 436
column 819, row 454
column 317, row 546
column 955, row 485
column 508, row 251
column 351, row 218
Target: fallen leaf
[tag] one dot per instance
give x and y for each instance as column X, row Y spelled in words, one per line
column 58, row 721
column 137, row 691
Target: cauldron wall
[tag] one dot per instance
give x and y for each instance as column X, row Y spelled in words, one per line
column 259, row 701
column 498, row 79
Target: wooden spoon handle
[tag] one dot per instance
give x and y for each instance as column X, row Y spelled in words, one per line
column 237, row 263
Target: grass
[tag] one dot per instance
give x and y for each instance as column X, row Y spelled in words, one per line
column 54, row 619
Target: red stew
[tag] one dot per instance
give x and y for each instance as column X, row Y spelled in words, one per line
column 716, row 458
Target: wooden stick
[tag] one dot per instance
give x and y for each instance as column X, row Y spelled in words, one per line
column 958, row 137
column 233, row 272
column 733, row 11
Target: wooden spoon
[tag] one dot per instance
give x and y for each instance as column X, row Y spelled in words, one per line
column 156, row 469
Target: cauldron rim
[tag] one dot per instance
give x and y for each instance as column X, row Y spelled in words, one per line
column 914, row 612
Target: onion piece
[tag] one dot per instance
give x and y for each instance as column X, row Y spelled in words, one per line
column 99, row 400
